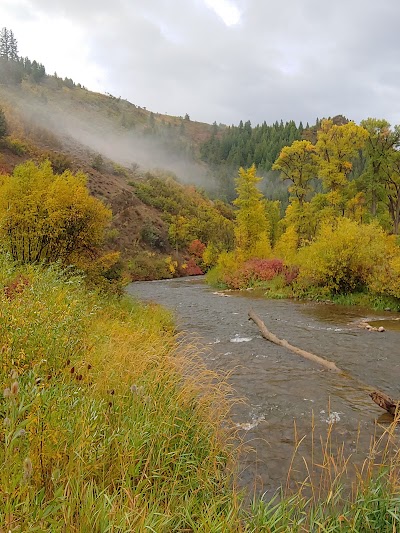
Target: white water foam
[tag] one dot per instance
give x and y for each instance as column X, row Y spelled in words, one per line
column 237, row 338
column 246, row 426
column 333, row 418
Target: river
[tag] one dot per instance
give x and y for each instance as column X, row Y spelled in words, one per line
column 281, row 389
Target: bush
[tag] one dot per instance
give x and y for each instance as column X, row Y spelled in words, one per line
column 16, row 146
column 44, row 216
column 346, row 257
column 148, row 266
column 233, row 273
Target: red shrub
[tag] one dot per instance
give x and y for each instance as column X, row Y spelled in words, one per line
column 192, row 269
column 291, row 274
column 196, row 248
column 259, row 270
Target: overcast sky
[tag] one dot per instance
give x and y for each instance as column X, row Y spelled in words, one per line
column 222, row 60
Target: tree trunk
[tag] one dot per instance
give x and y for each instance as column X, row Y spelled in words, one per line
column 281, row 342
column 378, row 397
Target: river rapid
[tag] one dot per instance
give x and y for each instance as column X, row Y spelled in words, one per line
column 285, row 395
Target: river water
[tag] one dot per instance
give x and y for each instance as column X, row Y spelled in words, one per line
column 280, row 389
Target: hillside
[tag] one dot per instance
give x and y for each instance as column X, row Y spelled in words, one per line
column 117, row 145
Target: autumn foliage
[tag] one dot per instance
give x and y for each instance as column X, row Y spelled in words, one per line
column 50, row 217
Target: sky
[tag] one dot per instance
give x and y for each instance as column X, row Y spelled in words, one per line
column 222, row 60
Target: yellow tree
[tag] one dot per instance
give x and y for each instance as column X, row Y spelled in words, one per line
column 298, row 164
column 336, row 147
column 251, row 227
column 45, row 216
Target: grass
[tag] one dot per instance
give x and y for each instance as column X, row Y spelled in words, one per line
column 110, row 424
column 100, row 432
column 338, row 495
column 373, row 301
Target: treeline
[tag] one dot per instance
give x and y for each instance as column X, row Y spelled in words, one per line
column 315, row 250
column 13, row 68
column 350, row 170
column 243, row 145
column 240, row 146
column 339, row 233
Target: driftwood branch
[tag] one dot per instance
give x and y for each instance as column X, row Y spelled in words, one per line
column 381, row 399
column 385, row 402
column 282, row 342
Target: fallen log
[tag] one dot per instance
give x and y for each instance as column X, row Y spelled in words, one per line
column 381, row 399
column 385, row 402
column 282, row 342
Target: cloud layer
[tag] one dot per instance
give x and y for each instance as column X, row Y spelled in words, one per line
column 294, row 60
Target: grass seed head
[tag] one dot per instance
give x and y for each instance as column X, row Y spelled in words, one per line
column 14, row 388
column 28, row 468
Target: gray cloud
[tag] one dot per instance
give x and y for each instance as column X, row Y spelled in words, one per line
column 294, row 60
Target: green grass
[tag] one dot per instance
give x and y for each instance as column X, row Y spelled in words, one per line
column 373, row 301
column 110, row 424
column 99, row 430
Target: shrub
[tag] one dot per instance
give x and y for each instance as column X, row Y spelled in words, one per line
column 237, row 274
column 254, row 272
column 16, row 146
column 147, row 266
column 44, row 216
column 191, row 268
column 345, row 257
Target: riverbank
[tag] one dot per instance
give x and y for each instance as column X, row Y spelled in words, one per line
column 99, row 431
column 110, row 423
column 278, row 289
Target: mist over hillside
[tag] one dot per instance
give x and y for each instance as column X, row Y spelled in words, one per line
column 75, row 121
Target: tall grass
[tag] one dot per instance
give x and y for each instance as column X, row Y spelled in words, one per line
column 339, row 494
column 100, row 432
column 109, row 424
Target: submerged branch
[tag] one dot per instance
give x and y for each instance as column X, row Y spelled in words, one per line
column 282, row 342
column 381, row 399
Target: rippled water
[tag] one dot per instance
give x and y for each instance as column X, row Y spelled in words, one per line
column 279, row 387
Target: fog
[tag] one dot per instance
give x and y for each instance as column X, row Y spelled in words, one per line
column 81, row 127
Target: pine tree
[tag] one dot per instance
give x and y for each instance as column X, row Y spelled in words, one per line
column 12, row 47
column 4, row 44
column 3, row 124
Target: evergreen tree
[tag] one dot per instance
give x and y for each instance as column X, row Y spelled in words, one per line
column 12, row 47
column 3, row 124
column 4, row 44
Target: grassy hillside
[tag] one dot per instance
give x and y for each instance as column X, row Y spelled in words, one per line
column 114, row 143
